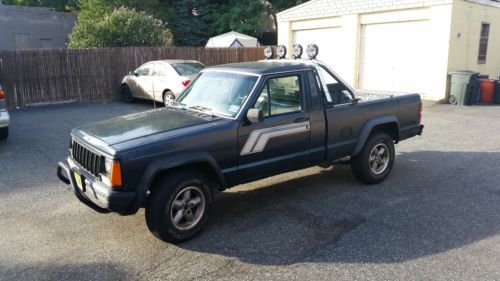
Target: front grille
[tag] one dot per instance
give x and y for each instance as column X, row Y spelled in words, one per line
column 88, row 160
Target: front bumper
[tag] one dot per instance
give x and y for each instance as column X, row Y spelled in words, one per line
column 94, row 194
column 4, row 119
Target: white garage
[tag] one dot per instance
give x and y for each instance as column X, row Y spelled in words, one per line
column 395, row 46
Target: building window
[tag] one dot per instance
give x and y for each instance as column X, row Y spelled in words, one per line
column 483, row 43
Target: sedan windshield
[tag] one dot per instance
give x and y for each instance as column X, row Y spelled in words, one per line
column 187, row 68
column 219, row 93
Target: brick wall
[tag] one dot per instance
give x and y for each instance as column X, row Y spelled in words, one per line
column 329, row 8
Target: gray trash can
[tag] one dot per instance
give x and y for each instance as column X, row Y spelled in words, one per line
column 459, row 82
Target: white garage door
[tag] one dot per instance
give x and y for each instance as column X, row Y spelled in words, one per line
column 395, row 57
column 325, row 38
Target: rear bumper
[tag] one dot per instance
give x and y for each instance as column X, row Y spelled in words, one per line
column 4, row 119
column 94, row 194
column 411, row 131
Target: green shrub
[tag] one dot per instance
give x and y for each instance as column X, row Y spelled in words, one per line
column 121, row 28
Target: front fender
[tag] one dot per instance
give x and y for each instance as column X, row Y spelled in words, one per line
column 368, row 127
column 168, row 163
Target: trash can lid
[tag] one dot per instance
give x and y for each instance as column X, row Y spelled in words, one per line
column 465, row 72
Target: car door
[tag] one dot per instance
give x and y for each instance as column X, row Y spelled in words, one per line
column 143, row 87
column 281, row 141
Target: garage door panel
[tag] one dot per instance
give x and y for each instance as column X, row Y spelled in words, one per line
column 395, row 57
column 327, row 40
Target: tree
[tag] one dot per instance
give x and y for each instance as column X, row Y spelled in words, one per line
column 190, row 22
column 240, row 16
column 95, row 9
column 120, row 28
column 276, row 6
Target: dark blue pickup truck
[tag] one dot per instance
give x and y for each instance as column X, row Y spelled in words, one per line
column 234, row 124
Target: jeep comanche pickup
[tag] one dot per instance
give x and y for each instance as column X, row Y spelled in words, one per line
column 234, row 124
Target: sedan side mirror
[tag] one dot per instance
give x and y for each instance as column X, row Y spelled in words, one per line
column 135, row 73
column 356, row 100
column 255, row 115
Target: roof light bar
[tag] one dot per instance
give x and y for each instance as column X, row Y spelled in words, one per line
column 281, row 52
column 297, row 51
column 312, row 51
column 269, row 52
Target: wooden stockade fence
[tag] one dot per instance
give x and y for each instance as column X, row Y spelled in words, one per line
column 55, row 75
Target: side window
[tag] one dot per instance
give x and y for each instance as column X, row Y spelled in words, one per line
column 316, row 97
column 144, row 70
column 160, row 70
column 280, row 95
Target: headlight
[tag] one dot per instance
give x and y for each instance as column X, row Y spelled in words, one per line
column 108, row 165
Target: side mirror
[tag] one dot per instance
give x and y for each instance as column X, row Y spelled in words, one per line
column 135, row 73
column 255, row 115
column 356, row 100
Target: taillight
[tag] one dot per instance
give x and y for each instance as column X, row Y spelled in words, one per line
column 186, row 83
column 420, row 113
column 2, row 94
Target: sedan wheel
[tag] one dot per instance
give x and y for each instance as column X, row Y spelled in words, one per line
column 126, row 94
column 168, row 98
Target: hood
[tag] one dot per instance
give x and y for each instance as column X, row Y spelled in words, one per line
column 137, row 125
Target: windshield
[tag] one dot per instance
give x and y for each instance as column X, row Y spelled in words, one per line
column 219, row 93
column 188, row 68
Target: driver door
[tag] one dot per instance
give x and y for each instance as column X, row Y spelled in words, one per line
column 280, row 142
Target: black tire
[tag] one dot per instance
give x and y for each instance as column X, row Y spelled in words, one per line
column 168, row 96
column 361, row 166
column 126, row 94
column 160, row 207
column 4, row 133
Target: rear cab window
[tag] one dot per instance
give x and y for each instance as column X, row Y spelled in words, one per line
column 338, row 92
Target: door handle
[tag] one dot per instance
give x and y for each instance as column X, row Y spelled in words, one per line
column 300, row 120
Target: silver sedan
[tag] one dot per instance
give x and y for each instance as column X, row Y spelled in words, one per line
column 4, row 116
column 161, row 80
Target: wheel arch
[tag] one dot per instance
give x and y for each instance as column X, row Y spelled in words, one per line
column 202, row 162
column 388, row 124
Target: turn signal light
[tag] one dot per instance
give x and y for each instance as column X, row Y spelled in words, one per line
column 2, row 94
column 115, row 177
column 186, row 83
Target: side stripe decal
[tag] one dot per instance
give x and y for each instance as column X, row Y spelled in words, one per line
column 258, row 139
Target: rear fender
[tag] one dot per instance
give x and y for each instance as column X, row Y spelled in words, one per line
column 368, row 128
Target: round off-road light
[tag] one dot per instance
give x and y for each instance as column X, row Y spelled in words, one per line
column 281, row 52
column 268, row 52
column 312, row 51
column 297, row 51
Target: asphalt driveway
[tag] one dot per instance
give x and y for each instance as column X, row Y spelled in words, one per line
column 437, row 217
